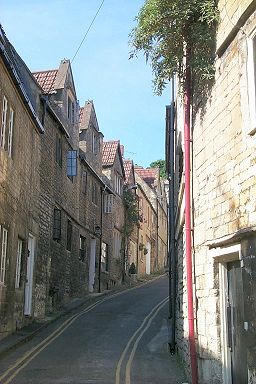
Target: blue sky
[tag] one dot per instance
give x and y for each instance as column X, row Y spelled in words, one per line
column 46, row 31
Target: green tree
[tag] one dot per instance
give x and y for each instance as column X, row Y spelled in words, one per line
column 167, row 28
column 161, row 165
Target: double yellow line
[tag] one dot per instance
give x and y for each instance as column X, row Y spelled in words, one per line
column 135, row 339
column 22, row 362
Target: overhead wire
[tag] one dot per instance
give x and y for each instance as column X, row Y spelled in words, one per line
column 80, row 45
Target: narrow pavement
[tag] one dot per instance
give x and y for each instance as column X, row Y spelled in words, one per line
column 121, row 338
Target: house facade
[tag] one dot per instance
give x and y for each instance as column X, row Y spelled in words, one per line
column 131, row 248
column 224, row 210
column 153, row 215
column 20, row 159
column 62, row 217
column 113, row 218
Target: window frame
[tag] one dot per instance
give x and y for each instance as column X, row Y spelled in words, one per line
column 82, row 248
column 56, row 233
column 69, row 235
column 251, row 74
column 3, row 122
column 108, row 203
column 10, row 132
column 94, row 193
column 104, row 257
column 72, row 163
column 18, row 263
column 3, row 253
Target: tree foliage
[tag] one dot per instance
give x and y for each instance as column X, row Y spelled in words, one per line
column 131, row 211
column 165, row 27
column 161, row 165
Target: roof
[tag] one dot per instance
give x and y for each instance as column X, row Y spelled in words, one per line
column 46, row 79
column 109, row 152
column 148, row 175
column 127, row 168
column 87, row 115
column 21, row 76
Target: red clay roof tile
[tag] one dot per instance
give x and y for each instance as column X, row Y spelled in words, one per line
column 109, row 152
column 46, row 79
column 148, row 175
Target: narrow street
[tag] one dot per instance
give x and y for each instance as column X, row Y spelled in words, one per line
column 120, row 338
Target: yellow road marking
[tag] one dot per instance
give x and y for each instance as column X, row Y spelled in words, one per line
column 29, row 356
column 119, row 364
column 129, row 363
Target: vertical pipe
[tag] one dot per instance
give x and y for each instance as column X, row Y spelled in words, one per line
column 100, row 237
column 172, row 224
column 187, row 140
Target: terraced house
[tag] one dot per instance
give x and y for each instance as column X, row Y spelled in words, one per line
column 224, row 210
column 61, row 195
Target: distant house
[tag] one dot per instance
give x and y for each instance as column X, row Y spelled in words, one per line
column 153, row 216
column 96, row 199
column 113, row 222
column 131, row 243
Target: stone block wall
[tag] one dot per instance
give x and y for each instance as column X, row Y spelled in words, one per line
column 19, row 193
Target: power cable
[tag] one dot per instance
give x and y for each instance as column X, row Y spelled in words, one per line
column 86, row 33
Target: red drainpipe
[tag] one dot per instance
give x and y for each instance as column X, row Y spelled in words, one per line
column 187, row 141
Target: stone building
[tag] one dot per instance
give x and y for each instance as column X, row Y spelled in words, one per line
column 223, row 183
column 132, row 241
column 95, row 201
column 147, row 233
column 113, row 220
column 62, row 275
column 20, row 158
column 153, row 215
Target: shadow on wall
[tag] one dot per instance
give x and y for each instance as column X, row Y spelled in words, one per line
column 232, row 360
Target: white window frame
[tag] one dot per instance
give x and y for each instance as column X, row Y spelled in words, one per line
column 18, row 263
column 10, row 133
column 104, row 257
column 3, row 250
column 251, row 65
column 118, row 184
column 108, row 203
column 3, row 122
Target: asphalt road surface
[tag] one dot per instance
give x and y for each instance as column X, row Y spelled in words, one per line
column 121, row 338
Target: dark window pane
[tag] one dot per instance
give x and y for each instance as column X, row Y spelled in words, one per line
column 69, row 235
column 56, row 224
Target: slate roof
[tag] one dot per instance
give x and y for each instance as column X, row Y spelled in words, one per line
column 148, row 175
column 109, row 152
column 46, row 79
column 21, row 77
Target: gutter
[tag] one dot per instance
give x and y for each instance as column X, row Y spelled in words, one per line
column 188, row 229
column 170, row 112
column 15, row 77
